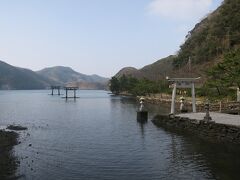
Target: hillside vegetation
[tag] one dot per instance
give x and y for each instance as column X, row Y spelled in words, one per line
column 218, row 33
column 211, row 50
column 205, row 45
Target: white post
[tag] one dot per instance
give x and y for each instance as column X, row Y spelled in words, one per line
column 238, row 95
column 193, row 98
column 173, row 98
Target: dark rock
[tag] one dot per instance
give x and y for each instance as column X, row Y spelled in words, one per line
column 16, row 128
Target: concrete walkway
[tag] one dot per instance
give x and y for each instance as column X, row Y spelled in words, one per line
column 220, row 118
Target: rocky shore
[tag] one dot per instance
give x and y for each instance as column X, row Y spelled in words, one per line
column 8, row 163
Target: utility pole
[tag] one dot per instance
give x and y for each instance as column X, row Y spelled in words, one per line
column 190, row 66
column 228, row 37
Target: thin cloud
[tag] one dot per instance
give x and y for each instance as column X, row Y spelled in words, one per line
column 179, row 9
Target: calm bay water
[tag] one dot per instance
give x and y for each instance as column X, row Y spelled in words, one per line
column 97, row 137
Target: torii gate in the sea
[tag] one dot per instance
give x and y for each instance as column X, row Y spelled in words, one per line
column 183, row 83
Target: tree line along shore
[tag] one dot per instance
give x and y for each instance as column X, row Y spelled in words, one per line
column 220, row 83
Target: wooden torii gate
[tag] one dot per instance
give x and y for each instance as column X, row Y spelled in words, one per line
column 57, row 88
column 71, row 88
column 183, row 83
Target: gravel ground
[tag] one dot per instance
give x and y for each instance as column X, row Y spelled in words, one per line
column 220, row 118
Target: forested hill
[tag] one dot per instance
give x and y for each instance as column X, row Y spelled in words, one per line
column 213, row 36
column 66, row 75
column 205, row 45
column 12, row 77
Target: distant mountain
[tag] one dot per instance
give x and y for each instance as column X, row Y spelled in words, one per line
column 12, row 77
column 205, row 45
column 66, row 75
column 130, row 71
column 19, row 78
column 155, row 71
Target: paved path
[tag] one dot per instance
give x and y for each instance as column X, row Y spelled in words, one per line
column 220, row 118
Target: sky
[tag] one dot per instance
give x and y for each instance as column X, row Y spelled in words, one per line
column 95, row 36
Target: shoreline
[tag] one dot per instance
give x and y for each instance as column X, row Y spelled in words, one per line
column 8, row 162
column 211, row 131
column 231, row 107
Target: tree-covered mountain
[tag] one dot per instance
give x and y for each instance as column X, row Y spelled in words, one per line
column 155, row 71
column 19, row 78
column 205, row 45
column 130, row 71
column 66, row 75
column 12, row 77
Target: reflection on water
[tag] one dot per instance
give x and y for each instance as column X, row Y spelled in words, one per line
column 98, row 137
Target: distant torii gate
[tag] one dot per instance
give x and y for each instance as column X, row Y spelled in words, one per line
column 72, row 88
column 57, row 88
column 183, row 83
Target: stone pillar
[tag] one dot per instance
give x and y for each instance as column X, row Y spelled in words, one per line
column 193, row 98
column 173, row 98
column 220, row 106
column 207, row 117
column 238, row 95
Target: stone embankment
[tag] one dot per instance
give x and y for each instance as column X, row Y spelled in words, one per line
column 213, row 131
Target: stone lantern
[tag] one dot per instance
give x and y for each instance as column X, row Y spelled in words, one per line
column 207, row 117
column 142, row 115
column 182, row 105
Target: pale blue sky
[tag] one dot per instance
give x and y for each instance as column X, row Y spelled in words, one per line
column 95, row 36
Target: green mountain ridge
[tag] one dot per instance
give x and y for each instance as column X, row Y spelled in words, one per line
column 16, row 78
column 205, row 45
column 66, row 75
column 19, row 78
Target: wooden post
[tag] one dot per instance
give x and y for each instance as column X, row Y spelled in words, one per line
column 52, row 91
column 173, row 98
column 66, row 93
column 193, row 98
column 74, row 93
column 59, row 91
